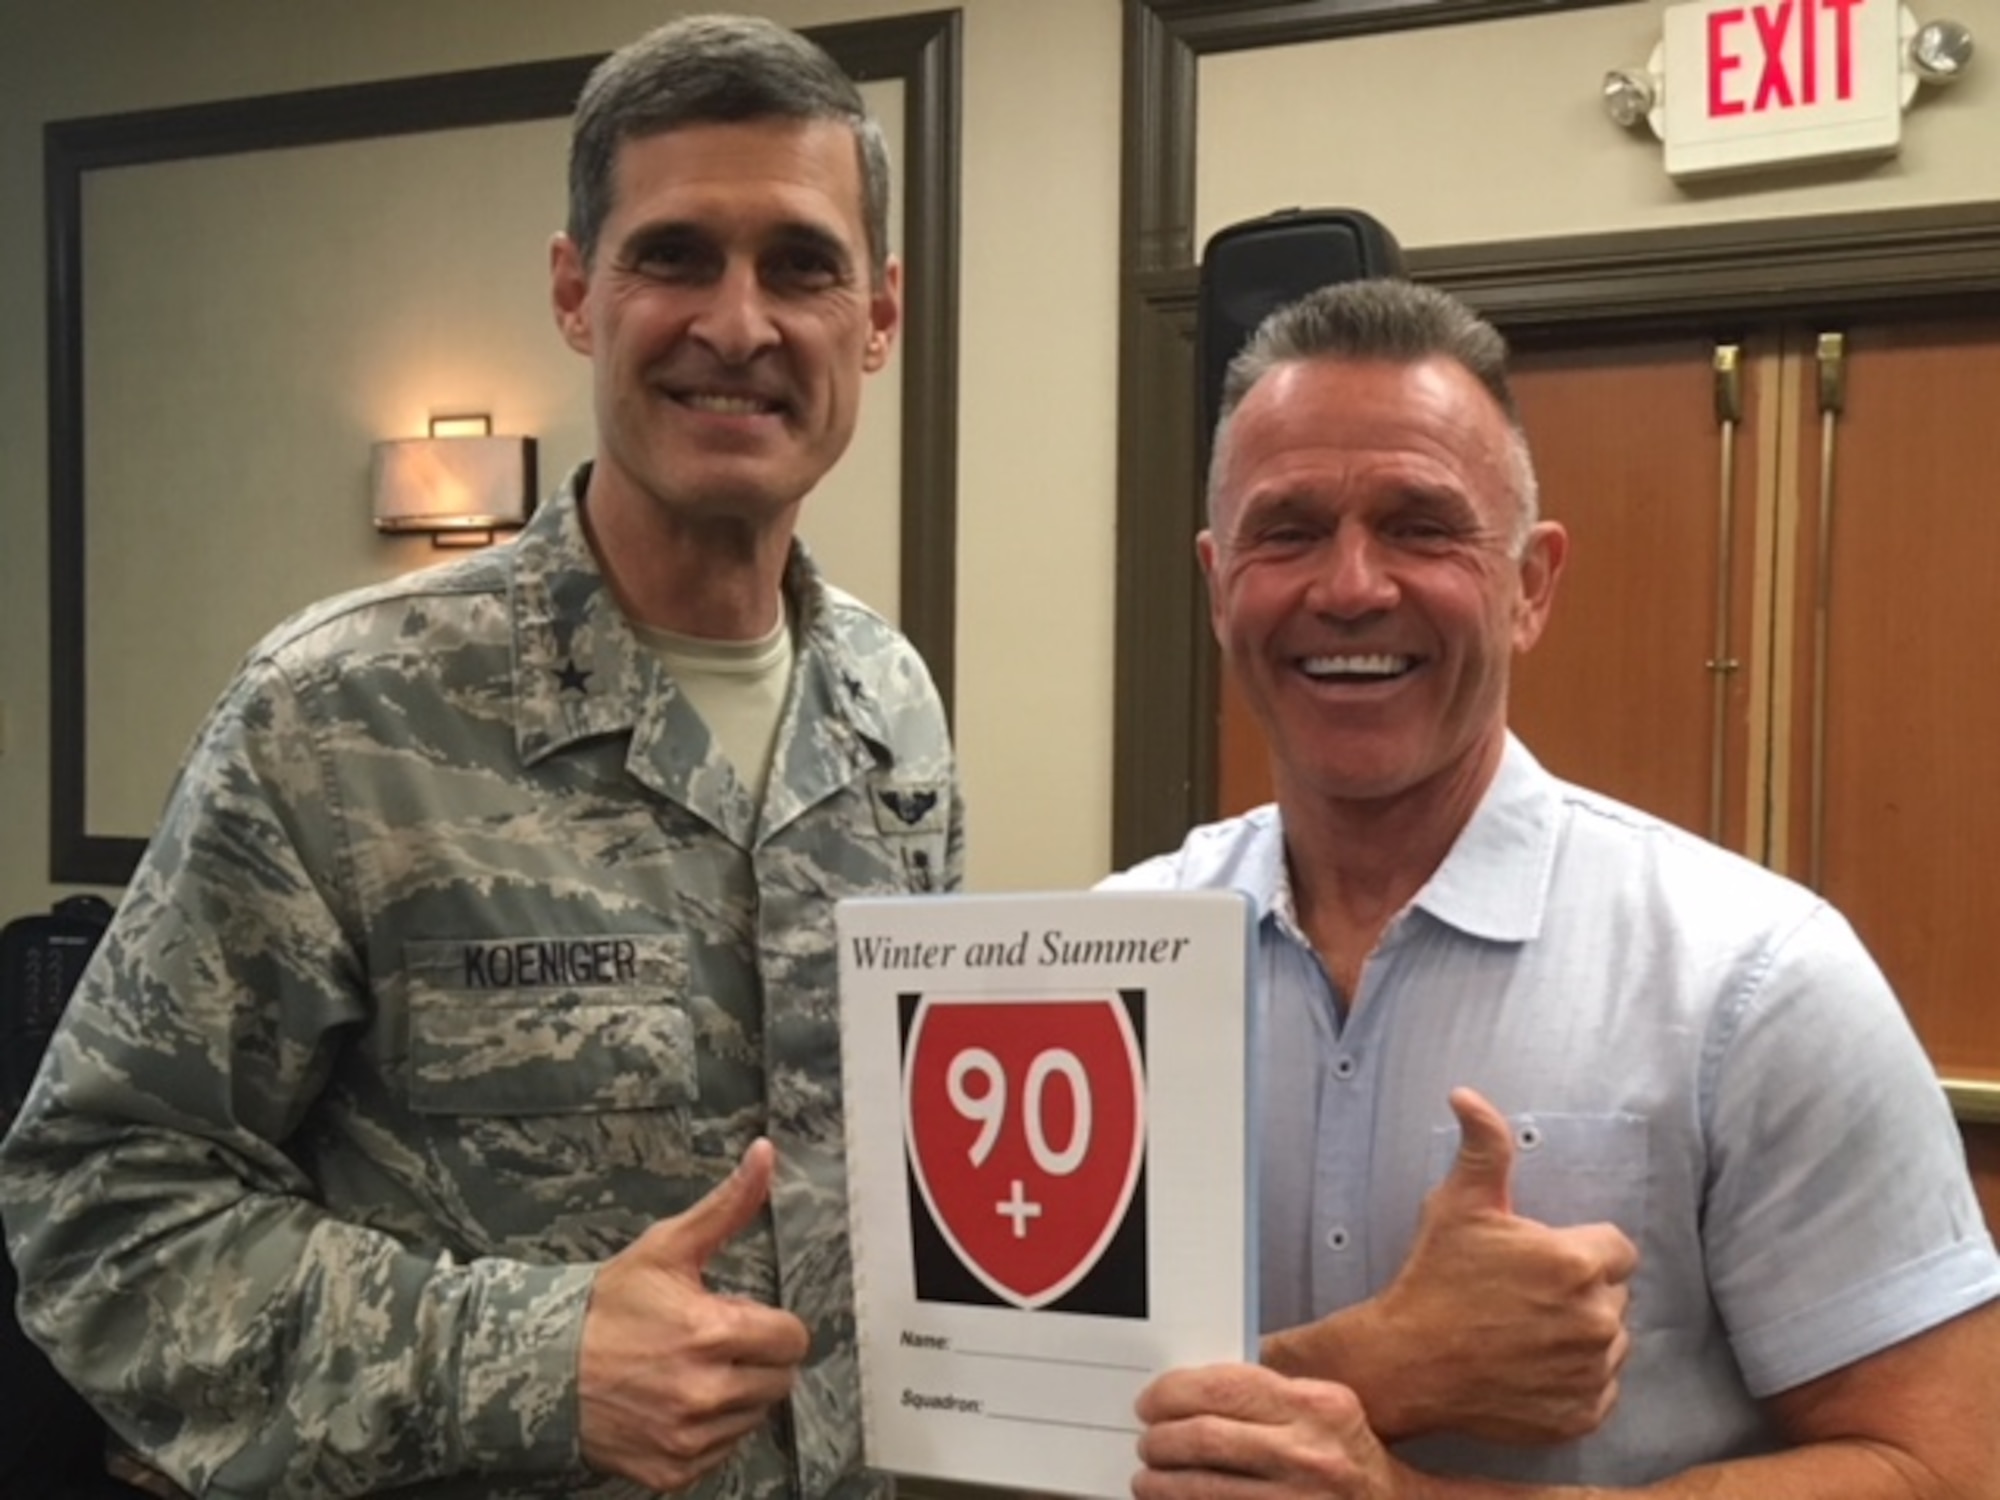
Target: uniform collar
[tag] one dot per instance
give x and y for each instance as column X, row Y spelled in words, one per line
column 580, row 671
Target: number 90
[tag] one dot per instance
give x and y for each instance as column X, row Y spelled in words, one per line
column 988, row 1107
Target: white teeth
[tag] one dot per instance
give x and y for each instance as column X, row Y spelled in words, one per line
column 1355, row 666
column 728, row 406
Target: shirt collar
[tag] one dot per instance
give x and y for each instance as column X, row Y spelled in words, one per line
column 1494, row 883
column 1244, row 854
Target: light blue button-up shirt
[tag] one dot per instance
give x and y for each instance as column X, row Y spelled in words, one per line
column 1687, row 1046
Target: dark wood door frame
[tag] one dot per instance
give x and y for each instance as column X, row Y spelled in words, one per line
column 1164, row 709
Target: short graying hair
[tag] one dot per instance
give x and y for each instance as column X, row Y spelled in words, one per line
column 716, row 70
column 1388, row 320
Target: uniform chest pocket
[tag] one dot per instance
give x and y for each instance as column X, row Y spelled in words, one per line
column 913, row 819
column 1571, row 1169
column 536, row 1026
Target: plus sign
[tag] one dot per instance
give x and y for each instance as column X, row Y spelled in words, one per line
column 1019, row 1209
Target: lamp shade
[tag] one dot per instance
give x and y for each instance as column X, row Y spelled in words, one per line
column 441, row 484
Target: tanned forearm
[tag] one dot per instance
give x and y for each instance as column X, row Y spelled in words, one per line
column 1354, row 1348
column 1912, row 1422
column 1458, row 1375
column 1826, row 1471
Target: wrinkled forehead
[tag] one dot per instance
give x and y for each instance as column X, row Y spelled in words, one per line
column 805, row 160
column 1325, row 414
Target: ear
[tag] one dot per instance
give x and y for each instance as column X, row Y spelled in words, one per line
column 1206, row 552
column 569, row 292
column 885, row 316
column 1541, row 566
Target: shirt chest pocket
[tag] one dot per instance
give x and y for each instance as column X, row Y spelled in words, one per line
column 1571, row 1168
column 533, row 1026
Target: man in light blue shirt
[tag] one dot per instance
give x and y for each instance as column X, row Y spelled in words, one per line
column 1685, row 1099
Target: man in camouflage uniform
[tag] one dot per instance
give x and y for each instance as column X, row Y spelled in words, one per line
column 454, row 1108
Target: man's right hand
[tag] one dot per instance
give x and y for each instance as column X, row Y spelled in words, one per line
column 672, row 1375
column 1496, row 1326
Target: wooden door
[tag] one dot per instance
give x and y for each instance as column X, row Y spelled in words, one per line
column 1242, row 769
column 1895, row 628
column 1643, row 686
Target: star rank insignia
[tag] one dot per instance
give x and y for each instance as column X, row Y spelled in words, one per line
column 570, row 678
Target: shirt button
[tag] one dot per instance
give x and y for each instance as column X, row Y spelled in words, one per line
column 1337, row 1238
column 1344, row 1066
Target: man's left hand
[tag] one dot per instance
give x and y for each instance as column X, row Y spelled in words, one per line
column 1242, row 1432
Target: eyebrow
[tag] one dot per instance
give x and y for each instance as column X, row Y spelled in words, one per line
column 800, row 234
column 1436, row 500
column 1280, row 505
column 1444, row 502
column 791, row 234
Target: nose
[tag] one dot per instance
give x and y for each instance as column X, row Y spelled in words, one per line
column 734, row 320
column 1354, row 579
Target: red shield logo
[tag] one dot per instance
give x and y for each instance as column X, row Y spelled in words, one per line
column 1025, row 1123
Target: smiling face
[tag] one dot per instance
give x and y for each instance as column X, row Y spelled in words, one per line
column 729, row 316
column 1363, row 577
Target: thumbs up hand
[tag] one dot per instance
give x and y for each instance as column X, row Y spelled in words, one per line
column 1481, row 1176
column 1496, row 1326
column 671, row 1376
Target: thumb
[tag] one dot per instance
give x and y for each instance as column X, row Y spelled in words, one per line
column 727, row 1209
column 1479, row 1177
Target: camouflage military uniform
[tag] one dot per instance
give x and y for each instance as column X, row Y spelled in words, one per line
column 459, row 958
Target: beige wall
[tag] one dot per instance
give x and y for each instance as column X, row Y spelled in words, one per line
column 373, row 285
column 1493, row 132
column 1453, row 135
column 1036, row 446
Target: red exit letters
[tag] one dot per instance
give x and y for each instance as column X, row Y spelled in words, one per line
column 1802, row 51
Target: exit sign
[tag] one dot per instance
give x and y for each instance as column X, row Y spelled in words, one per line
column 1752, row 82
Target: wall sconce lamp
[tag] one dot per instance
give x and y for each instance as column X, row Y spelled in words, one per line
column 460, row 483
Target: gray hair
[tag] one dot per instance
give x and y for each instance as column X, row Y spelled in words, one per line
column 1385, row 319
column 706, row 70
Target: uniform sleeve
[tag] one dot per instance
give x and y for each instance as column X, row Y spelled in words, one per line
column 1840, row 1218
column 174, row 1259
column 954, row 847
